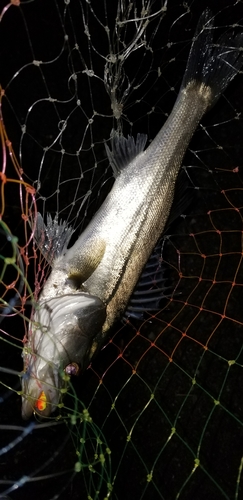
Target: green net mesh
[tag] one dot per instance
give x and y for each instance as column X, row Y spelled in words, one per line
column 159, row 412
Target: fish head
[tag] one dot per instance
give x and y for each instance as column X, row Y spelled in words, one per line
column 59, row 343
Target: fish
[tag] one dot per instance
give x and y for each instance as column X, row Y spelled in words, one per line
column 91, row 282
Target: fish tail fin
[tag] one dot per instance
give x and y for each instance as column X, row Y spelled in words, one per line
column 213, row 64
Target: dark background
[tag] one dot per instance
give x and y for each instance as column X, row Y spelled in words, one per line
column 162, row 394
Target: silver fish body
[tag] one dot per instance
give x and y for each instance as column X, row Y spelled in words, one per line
column 126, row 228
column 91, row 283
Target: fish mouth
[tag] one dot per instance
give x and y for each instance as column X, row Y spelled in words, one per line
column 58, row 348
column 40, row 398
column 40, row 405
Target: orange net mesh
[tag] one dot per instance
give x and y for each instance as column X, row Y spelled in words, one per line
column 158, row 414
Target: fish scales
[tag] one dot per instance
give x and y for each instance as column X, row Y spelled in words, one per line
column 91, row 282
column 140, row 200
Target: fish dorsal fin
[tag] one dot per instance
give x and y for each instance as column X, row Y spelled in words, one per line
column 53, row 238
column 123, row 150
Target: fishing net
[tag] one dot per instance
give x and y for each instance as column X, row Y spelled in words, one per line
column 158, row 414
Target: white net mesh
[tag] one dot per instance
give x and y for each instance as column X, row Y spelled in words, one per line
column 158, row 414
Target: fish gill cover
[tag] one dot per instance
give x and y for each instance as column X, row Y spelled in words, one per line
column 159, row 412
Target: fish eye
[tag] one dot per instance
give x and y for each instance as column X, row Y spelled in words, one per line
column 72, row 369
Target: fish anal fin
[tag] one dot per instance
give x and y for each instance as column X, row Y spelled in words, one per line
column 151, row 288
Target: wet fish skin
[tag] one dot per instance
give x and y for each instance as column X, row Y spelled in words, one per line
column 99, row 272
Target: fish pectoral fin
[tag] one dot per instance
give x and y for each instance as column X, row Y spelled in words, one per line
column 83, row 263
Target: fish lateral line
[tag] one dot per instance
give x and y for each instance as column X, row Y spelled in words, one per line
column 117, row 243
